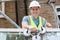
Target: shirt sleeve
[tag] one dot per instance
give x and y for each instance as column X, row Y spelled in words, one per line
column 25, row 19
column 44, row 22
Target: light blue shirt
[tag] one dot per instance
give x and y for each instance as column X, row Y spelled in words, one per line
column 25, row 20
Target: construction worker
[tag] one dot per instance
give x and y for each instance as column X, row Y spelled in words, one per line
column 34, row 21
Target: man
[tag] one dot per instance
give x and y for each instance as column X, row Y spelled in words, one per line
column 34, row 21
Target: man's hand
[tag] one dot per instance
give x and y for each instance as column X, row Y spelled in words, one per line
column 48, row 25
column 32, row 28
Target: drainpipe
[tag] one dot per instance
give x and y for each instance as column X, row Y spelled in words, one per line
column 25, row 7
column 16, row 11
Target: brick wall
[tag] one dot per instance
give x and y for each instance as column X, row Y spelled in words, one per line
column 46, row 12
column 57, row 2
column 10, row 11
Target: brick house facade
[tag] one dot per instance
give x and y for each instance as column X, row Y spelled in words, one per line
column 46, row 12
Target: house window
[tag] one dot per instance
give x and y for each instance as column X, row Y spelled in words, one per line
column 2, row 7
column 58, row 9
column 58, row 13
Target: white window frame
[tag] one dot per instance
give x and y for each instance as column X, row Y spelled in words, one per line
column 2, row 10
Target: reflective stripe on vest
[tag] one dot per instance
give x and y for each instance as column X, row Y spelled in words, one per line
column 33, row 23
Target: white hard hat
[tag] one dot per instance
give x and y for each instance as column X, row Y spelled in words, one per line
column 34, row 3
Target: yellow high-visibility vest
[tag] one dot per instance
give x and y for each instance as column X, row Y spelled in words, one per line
column 33, row 23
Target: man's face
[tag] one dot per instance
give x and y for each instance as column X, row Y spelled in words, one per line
column 35, row 11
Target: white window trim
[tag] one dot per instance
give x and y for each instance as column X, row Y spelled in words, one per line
column 2, row 10
column 57, row 6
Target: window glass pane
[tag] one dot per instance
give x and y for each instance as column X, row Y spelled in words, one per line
column 58, row 9
column 59, row 17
